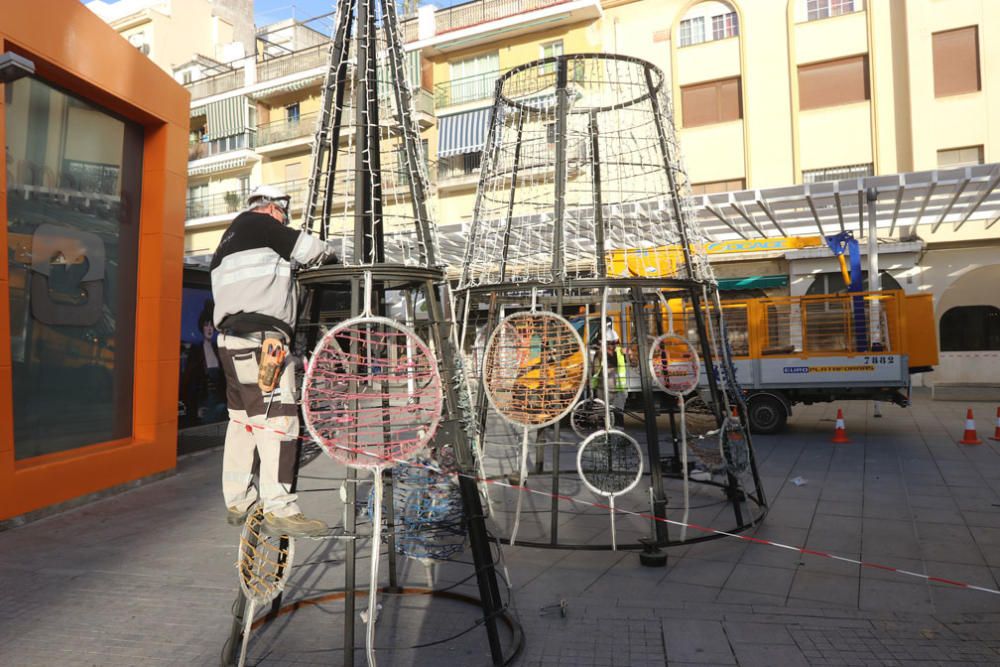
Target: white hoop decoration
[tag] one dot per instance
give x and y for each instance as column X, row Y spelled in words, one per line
column 587, row 417
column 676, row 369
column 675, row 364
column 372, row 393
column 734, row 446
column 610, row 464
column 372, row 397
column 534, row 368
column 263, row 568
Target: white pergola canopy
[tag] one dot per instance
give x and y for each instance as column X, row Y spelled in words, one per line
column 924, row 199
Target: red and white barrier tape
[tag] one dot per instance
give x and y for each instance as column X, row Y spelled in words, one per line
column 646, row 515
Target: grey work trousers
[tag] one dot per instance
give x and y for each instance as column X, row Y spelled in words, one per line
column 274, row 439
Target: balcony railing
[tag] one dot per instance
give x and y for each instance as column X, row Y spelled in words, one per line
column 458, row 167
column 202, row 149
column 217, row 204
column 213, row 85
column 467, row 89
column 482, row 11
column 292, row 63
column 287, row 129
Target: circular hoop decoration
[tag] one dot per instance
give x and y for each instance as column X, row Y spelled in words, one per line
column 587, row 417
column 534, row 368
column 372, row 393
column 609, row 463
column 674, row 364
column 264, row 563
column 734, row 446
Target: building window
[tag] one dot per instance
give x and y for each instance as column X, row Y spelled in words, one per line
column 711, row 102
column 73, row 194
column 970, row 329
column 956, row 62
column 952, row 158
column 834, row 82
column 693, row 31
column 473, row 78
column 725, row 25
column 821, row 9
column 550, row 50
column 712, row 187
column 292, row 113
column 838, row 173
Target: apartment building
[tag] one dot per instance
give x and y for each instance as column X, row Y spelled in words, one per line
column 787, row 110
column 206, row 35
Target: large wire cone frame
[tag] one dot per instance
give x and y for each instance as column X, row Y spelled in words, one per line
column 581, row 178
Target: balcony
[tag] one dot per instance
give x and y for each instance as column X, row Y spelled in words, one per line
column 224, row 154
column 293, row 63
column 458, row 171
column 228, row 203
column 286, row 133
column 484, row 11
column 198, row 150
column 214, row 85
column 467, row 89
column 481, row 21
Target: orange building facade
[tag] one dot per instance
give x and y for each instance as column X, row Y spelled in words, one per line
column 92, row 207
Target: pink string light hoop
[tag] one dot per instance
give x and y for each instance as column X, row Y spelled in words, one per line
column 372, row 393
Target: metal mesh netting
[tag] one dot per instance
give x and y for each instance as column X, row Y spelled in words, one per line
column 534, row 368
column 372, row 393
column 582, row 177
column 366, row 89
column 610, row 462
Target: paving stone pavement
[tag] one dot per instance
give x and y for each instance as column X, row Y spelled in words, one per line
column 147, row 577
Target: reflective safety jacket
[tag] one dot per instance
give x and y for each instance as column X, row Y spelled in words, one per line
column 621, row 369
column 252, row 282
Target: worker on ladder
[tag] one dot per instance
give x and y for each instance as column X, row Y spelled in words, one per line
column 255, row 309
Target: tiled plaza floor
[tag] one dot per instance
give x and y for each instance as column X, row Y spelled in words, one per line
column 147, row 577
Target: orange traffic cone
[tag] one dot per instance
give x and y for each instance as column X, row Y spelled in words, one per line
column 996, row 430
column 970, row 437
column 839, row 433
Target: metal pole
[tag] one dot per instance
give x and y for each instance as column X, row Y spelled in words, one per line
column 652, row 431
column 562, row 105
column 874, row 279
column 595, row 157
column 482, row 557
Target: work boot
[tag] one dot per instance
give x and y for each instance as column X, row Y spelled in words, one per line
column 296, row 525
column 236, row 517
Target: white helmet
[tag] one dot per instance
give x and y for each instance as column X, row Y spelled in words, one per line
column 262, row 195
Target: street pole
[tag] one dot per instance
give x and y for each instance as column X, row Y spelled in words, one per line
column 874, row 280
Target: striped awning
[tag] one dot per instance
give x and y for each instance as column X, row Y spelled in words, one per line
column 227, row 117
column 462, row 132
column 217, row 166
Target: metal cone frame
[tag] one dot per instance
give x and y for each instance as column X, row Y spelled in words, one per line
column 840, row 433
column 996, row 429
column 970, row 437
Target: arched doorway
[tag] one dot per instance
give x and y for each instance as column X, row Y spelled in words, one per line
column 968, row 317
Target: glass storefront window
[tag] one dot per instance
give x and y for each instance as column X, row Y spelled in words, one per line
column 202, row 395
column 73, row 190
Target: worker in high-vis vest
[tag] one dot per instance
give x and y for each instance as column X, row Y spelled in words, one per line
column 618, row 389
